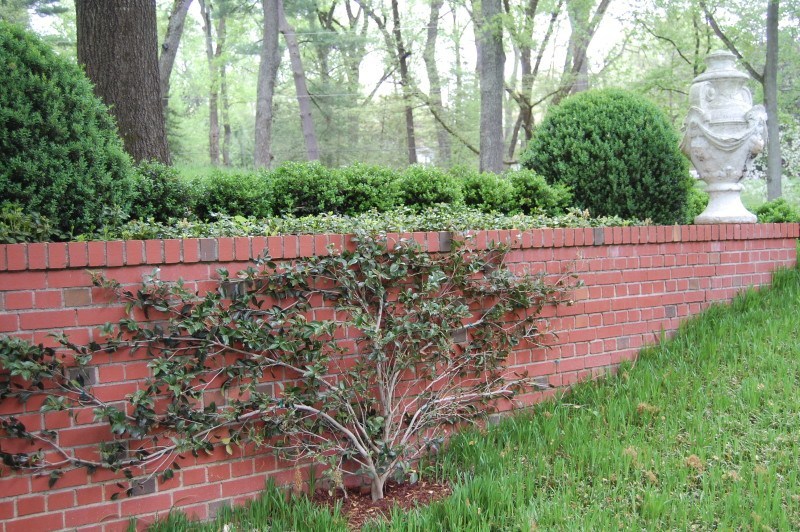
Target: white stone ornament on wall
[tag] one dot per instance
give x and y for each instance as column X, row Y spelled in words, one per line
column 723, row 132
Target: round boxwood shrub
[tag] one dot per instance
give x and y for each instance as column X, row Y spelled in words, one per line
column 618, row 154
column 534, row 195
column 233, row 193
column 303, row 189
column 159, row 193
column 697, row 203
column 368, row 187
column 486, row 191
column 60, row 155
column 422, row 186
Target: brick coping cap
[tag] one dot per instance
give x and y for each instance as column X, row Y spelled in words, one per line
column 116, row 253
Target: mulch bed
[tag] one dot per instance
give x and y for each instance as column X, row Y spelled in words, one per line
column 358, row 507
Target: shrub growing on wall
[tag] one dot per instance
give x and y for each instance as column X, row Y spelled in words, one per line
column 234, row 194
column 159, row 193
column 368, row 187
column 618, row 154
column 533, row 195
column 486, row 191
column 304, row 189
column 60, row 155
column 422, row 186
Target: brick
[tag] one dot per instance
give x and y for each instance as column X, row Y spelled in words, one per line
column 306, row 245
column 97, row 254
column 208, row 250
column 48, row 299
column 17, row 256
column 241, row 248
column 244, row 485
column 115, row 253
column 146, row 504
column 190, row 250
column 134, row 252
column 54, row 521
column 172, row 251
column 22, row 281
column 6, row 510
column 60, row 500
column 89, row 495
column 199, row 494
column 68, row 278
column 18, row 300
column 77, row 297
column 225, row 249
column 78, row 253
column 290, row 246
column 30, row 505
column 88, row 515
column 53, row 319
column 258, row 245
column 37, row 256
column 154, row 252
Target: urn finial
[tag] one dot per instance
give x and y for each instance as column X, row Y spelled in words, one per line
column 723, row 132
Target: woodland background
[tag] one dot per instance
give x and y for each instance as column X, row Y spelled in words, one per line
column 397, row 81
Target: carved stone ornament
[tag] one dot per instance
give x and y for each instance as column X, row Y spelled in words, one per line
column 723, row 133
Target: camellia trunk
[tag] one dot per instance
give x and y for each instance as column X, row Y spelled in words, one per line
column 118, row 47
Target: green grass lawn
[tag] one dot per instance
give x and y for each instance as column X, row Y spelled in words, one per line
column 702, row 432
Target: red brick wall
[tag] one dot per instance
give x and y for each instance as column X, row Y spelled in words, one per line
column 638, row 282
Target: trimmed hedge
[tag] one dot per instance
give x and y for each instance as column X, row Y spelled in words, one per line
column 617, row 152
column 422, row 186
column 233, row 194
column 303, row 189
column 486, row 191
column 778, row 211
column 159, row 193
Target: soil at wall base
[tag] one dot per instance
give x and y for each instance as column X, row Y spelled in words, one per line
column 358, row 507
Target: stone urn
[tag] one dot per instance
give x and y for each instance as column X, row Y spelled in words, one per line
column 723, row 132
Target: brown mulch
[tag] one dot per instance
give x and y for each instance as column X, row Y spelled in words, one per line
column 358, row 507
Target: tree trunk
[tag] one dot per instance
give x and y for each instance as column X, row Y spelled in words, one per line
column 774, row 162
column 169, row 48
column 222, row 35
column 584, row 27
column 377, row 488
column 267, row 75
column 429, row 56
column 405, row 83
column 118, row 47
column 303, row 97
column 213, row 88
column 491, row 63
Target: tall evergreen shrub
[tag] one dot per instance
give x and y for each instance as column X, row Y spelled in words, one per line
column 617, row 152
column 60, row 155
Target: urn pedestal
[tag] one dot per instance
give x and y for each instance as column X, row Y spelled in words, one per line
column 723, row 132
